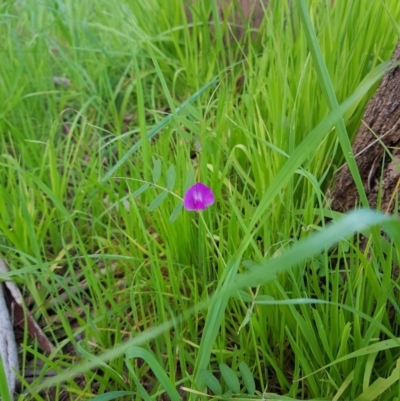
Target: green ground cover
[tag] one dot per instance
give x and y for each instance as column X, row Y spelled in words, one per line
column 111, row 110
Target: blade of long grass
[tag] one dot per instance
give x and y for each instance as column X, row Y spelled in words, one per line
column 113, row 395
column 157, row 369
column 370, row 349
column 4, row 391
column 380, row 385
column 329, row 92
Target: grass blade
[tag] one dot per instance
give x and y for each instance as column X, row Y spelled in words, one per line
column 313, row 245
column 380, row 385
column 329, row 92
column 4, row 391
column 112, row 395
column 165, row 381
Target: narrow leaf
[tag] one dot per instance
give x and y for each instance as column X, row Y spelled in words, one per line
column 312, row 245
column 246, row 319
column 141, row 189
column 5, row 390
column 211, row 382
column 171, row 177
column 189, row 180
column 230, row 378
column 370, row 349
column 156, row 171
column 330, row 96
column 157, row 369
column 380, row 385
column 112, row 395
column 157, row 201
column 176, row 212
column 248, row 379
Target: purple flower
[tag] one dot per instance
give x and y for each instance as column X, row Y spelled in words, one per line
column 198, row 197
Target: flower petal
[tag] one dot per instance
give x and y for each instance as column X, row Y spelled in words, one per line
column 198, row 197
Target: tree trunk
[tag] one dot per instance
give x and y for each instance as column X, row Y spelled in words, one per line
column 377, row 150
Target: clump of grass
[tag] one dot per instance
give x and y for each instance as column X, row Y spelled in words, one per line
column 90, row 171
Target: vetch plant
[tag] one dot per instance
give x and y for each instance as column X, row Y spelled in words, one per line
column 198, row 197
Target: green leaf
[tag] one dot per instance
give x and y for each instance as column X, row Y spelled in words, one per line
column 176, row 212
column 157, row 201
column 157, row 369
column 211, row 382
column 230, row 378
column 370, row 349
column 380, row 385
column 330, row 96
column 246, row 319
column 4, row 392
column 141, row 189
column 171, row 177
column 189, row 180
column 156, row 171
column 248, row 379
column 112, row 395
column 312, row 245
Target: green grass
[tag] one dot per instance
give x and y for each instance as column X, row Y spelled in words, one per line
column 141, row 297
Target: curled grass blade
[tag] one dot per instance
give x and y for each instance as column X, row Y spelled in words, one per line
column 157, row 369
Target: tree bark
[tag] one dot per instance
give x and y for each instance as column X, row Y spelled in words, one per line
column 377, row 150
